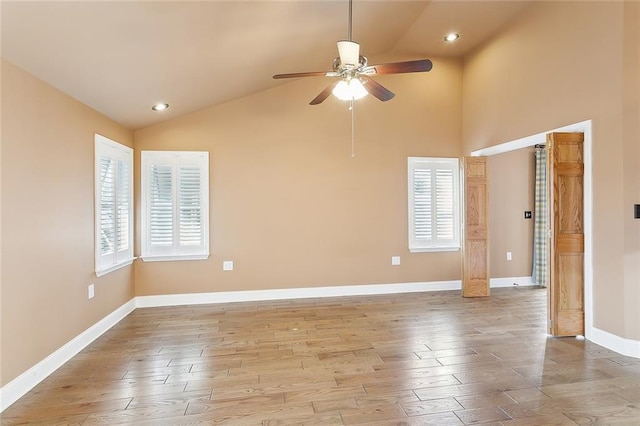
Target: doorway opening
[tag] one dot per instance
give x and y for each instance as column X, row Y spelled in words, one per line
column 584, row 127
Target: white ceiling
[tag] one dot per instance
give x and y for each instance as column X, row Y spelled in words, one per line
column 120, row 57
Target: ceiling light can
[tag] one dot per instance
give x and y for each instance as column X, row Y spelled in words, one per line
column 160, row 107
column 451, row 37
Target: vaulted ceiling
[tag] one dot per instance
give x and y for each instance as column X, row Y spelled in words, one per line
column 120, row 57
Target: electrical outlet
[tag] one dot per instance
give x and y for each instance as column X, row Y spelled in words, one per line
column 227, row 265
column 509, row 257
column 395, row 260
column 91, row 291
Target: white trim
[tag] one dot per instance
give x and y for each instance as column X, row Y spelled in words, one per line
column 112, row 268
column 293, row 293
column 22, row 384
column 618, row 344
column 586, row 128
column 531, row 140
column 433, row 249
column 511, row 282
column 314, row 292
column 175, row 258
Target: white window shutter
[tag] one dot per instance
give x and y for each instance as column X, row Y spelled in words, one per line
column 113, row 205
column 124, row 208
column 444, row 195
column 161, row 197
column 190, row 206
column 107, row 196
column 175, row 214
column 433, row 197
column 422, row 218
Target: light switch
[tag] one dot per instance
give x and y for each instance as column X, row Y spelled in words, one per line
column 227, row 265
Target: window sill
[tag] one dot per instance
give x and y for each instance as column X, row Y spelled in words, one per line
column 432, row 249
column 175, row 258
column 105, row 271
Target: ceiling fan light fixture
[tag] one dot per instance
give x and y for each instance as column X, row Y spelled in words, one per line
column 451, row 37
column 349, row 52
column 352, row 89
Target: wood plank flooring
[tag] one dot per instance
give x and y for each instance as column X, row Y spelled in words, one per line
column 409, row 359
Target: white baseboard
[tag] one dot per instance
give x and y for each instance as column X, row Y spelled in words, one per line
column 22, row 384
column 309, row 292
column 618, row 344
column 293, row 293
column 510, row 282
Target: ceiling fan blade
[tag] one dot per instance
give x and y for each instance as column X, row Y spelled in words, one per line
column 324, row 94
column 420, row 65
column 376, row 89
column 306, row 74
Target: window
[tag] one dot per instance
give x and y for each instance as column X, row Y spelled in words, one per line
column 434, row 204
column 175, row 195
column 114, row 205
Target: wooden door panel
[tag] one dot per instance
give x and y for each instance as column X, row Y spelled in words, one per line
column 570, row 282
column 568, row 322
column 566, row 258
column 477, row 207
column 570, row 196
column 475, row 247
column 570, row 153
column 477, row 251
column 476, row 169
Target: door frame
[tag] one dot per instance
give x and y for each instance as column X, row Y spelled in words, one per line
column 541, row 138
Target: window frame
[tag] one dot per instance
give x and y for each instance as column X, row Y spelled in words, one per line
column 174, row 159
column 109, row 262
column 415, row 244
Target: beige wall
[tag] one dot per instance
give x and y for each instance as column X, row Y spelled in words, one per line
column 511, row 192
column 631, row 166
column 47, row 222
column 562, row 63
column 290, row 206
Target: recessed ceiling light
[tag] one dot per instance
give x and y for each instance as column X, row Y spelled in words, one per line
column 160, row 107
column 451, row 37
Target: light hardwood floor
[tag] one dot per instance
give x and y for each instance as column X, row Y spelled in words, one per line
column 408, row 359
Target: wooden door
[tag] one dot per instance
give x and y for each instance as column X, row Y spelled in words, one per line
column 565, row 168
column 475, row 245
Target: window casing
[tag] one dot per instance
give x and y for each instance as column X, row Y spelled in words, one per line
column 113, row 205
column 175, row 214
column 434, row 204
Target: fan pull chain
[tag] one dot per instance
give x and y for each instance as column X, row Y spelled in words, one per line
column 353, row 129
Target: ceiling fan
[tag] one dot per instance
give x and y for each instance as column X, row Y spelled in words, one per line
column 353, row 72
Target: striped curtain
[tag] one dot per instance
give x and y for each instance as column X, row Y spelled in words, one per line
column 540, row 240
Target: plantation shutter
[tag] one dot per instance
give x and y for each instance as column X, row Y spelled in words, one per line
column 175, row 217
column 124, row 209
column 444, row 216
column 433, row 204
column 161, row 205
column 190, row 206
column 114, row 205
column 422, row 218
column 107, row 225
